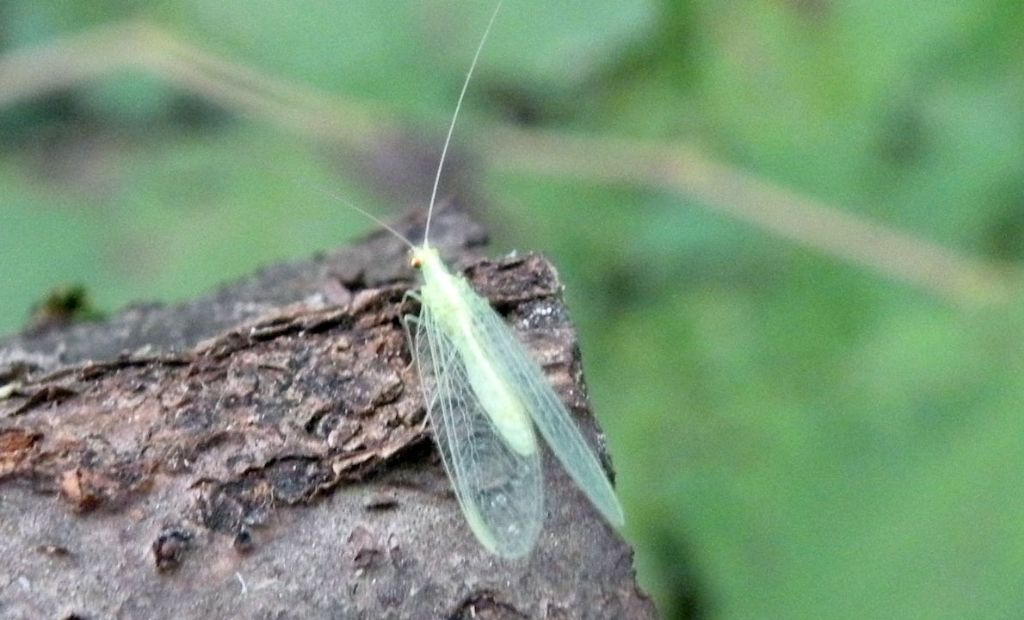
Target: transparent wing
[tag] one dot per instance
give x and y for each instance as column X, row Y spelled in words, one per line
column 500, row 491
column 547, row 410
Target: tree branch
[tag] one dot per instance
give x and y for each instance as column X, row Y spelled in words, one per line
column 263, row 451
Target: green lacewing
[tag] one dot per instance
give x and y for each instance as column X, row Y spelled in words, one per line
column 485, row 396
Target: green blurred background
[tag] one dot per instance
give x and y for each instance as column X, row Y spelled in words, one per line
column 796, row 435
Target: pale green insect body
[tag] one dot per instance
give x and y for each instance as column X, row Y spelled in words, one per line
column 450, row 299
column 484, row 396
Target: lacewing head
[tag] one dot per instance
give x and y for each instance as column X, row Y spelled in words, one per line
column 425, row 258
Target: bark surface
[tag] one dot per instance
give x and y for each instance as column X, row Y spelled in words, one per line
column 263, row 452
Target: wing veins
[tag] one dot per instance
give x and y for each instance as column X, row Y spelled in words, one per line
column 548, row 411
column 499, row 490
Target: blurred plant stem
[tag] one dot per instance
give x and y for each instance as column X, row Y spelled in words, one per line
column 66, row 63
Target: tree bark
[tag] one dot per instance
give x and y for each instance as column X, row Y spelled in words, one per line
column 263, row 452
